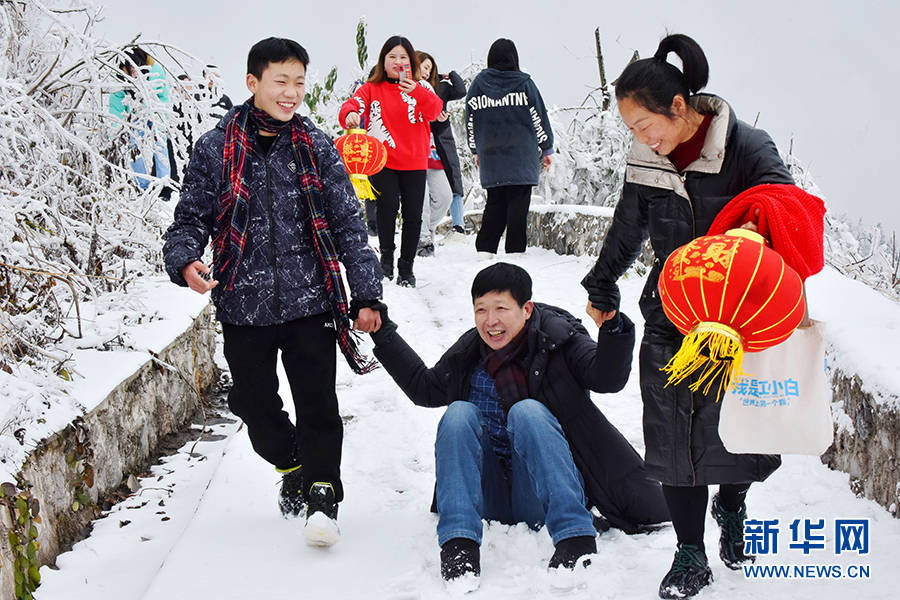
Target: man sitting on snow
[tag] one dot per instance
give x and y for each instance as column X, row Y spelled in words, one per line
column 521, row 440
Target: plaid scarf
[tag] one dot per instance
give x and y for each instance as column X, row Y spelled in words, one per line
column 507, row 367
column 234, row 216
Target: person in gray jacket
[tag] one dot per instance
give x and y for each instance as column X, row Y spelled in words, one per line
column 508, row 131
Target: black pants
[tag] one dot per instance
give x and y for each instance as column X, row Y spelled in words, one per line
column 687, row 506
column 506, row 208
column 372, row 215
column 399, row 191
column 308, row 354
column 173, row 166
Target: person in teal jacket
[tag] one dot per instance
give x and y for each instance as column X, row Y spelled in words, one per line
column 121, row 104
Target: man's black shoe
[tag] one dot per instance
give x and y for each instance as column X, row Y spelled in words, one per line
column 689, row 574
column 570, row 550
column 459, row 229
column 290, row 500
column 731, row 541
column 459, row 557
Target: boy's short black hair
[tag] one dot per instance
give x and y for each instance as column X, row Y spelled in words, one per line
column 503, row 277
column 274, row 50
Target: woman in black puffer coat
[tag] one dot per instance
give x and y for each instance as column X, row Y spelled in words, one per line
column 689, row 158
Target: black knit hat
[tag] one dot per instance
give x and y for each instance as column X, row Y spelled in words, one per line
column 503, row 56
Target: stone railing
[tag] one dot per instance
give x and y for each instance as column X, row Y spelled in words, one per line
column 867, row 430
column 866, row 441
column 93, row 455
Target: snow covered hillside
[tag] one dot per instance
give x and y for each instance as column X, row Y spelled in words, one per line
column 207, row 525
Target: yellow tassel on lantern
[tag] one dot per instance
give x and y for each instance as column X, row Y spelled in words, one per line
column 363, row 187
column 715, row 350
column 363, row 155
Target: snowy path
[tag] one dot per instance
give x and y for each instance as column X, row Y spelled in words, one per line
column 223, row 537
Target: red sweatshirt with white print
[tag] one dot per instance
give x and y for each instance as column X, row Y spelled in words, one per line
column 398, row 119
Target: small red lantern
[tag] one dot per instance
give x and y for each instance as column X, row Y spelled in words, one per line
column 363, row 155
column 728, row 294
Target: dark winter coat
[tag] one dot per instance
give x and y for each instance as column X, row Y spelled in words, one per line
column 279, row 278
column 443, row 132
column 680, row 427
column 563, row 364
column 507, row 127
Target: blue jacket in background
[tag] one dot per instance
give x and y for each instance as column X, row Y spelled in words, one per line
column 279, row 278
column 507, row 127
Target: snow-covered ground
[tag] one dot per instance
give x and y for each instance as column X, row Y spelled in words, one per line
column 207, row 525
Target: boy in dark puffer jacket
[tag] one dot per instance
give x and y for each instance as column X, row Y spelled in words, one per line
column 271, row 190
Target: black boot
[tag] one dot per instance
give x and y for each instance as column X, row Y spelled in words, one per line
column 459, row 557
column 321, row 516
column 689, row 574
column 425, row 250
column 731, row 541
column 570, row 550
column 387, row 263
column 405, row 275
column 291, row 501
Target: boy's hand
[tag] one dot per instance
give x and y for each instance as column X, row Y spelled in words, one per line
column 352, row 120
column 599, row 316
column 368, row 320
column 194, row 276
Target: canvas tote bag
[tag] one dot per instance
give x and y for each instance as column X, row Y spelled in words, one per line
column 783, row 405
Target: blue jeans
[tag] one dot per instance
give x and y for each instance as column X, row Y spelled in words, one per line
column 160, row 161
column 544, row 485
column 456, row 211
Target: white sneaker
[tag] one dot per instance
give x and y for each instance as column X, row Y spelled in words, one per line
column 321, row 516
column 486, row 255
column 320, row 530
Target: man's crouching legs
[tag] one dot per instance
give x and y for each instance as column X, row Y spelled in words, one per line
column 458, row 464
column 539, row 442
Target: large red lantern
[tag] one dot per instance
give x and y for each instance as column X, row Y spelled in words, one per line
column 728, row 294
column 363, row 155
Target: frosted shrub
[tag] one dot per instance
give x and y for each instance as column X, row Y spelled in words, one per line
column 74, row 225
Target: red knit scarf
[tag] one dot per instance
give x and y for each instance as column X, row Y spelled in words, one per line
column 791, row 219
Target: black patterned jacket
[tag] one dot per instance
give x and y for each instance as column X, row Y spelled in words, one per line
column 279, row 278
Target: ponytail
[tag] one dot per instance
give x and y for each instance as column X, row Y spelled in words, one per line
column 654, row 82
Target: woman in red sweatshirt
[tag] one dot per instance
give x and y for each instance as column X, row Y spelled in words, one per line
column 397, row 109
